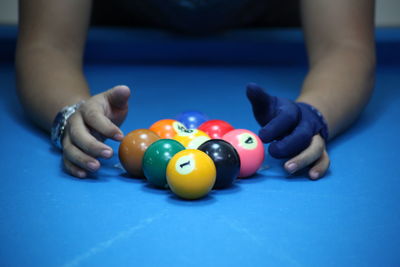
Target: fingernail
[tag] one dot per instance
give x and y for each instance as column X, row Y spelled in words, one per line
column 81, row 174
column 93, row 166
column 106, row 153
column 314, row 175
column 118, row 136
column 291, row 167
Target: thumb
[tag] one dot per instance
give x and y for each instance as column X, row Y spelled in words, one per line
column 261, row 103
column 118, row 96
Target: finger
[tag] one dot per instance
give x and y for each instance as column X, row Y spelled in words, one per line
column 73, row 169
column 261, row 103
column 281, row 125
column 294, row 143
column 312, row 153
column 95, row 118
column 79, row 158
column 117, row 105
column 320, row 167
column 118, row 96
column 80, row 136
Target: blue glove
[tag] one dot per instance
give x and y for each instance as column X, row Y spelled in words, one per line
column 288, row 125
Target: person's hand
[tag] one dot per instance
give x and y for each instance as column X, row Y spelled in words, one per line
column 97, row 119
column 295, row 130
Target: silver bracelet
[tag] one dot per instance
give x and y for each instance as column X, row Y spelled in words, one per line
column 60, row 121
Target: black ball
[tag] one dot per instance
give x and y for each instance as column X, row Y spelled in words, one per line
column 226, row 160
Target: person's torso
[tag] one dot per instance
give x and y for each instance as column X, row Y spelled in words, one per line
column 202, row 16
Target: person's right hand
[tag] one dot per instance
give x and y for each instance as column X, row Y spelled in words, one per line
column 295, row 131
column 97, row 119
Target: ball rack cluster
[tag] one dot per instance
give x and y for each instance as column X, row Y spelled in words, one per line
column 191, row 155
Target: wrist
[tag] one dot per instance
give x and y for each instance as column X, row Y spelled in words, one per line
column 323, row 125
column 60, row 122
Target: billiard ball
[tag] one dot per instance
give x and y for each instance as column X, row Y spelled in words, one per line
column 250, row 150
column 226, row 160
column 216, row 128
column 191, row 138
column 156, row 159
column 191, row 174
column 192, row 119
column 167, row 128
column 132, row 149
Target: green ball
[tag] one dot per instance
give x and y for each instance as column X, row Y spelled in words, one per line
column 156, row 158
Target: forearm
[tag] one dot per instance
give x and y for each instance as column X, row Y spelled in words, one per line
column 51, row 39
column 339, row 85
column 48, row 80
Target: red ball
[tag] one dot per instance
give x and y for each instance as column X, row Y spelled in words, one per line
column 216, row 128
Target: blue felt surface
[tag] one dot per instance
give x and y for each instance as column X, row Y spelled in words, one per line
column 349, row 218
column 248, row 46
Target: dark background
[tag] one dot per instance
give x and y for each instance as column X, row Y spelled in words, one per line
column 197, row 16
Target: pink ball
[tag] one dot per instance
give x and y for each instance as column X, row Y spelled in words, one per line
column 250, row 149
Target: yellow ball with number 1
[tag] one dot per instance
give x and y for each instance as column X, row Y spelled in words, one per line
column 191, row 174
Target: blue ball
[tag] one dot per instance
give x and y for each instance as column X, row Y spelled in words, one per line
column 192, row 119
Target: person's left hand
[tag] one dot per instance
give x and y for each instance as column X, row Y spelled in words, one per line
column 95, row 120
column 295, row 130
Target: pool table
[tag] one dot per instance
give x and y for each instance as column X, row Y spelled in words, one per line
column 351, row 217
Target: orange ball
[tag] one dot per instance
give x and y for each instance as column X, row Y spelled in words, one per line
column 132, row 149
column 167, row 128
